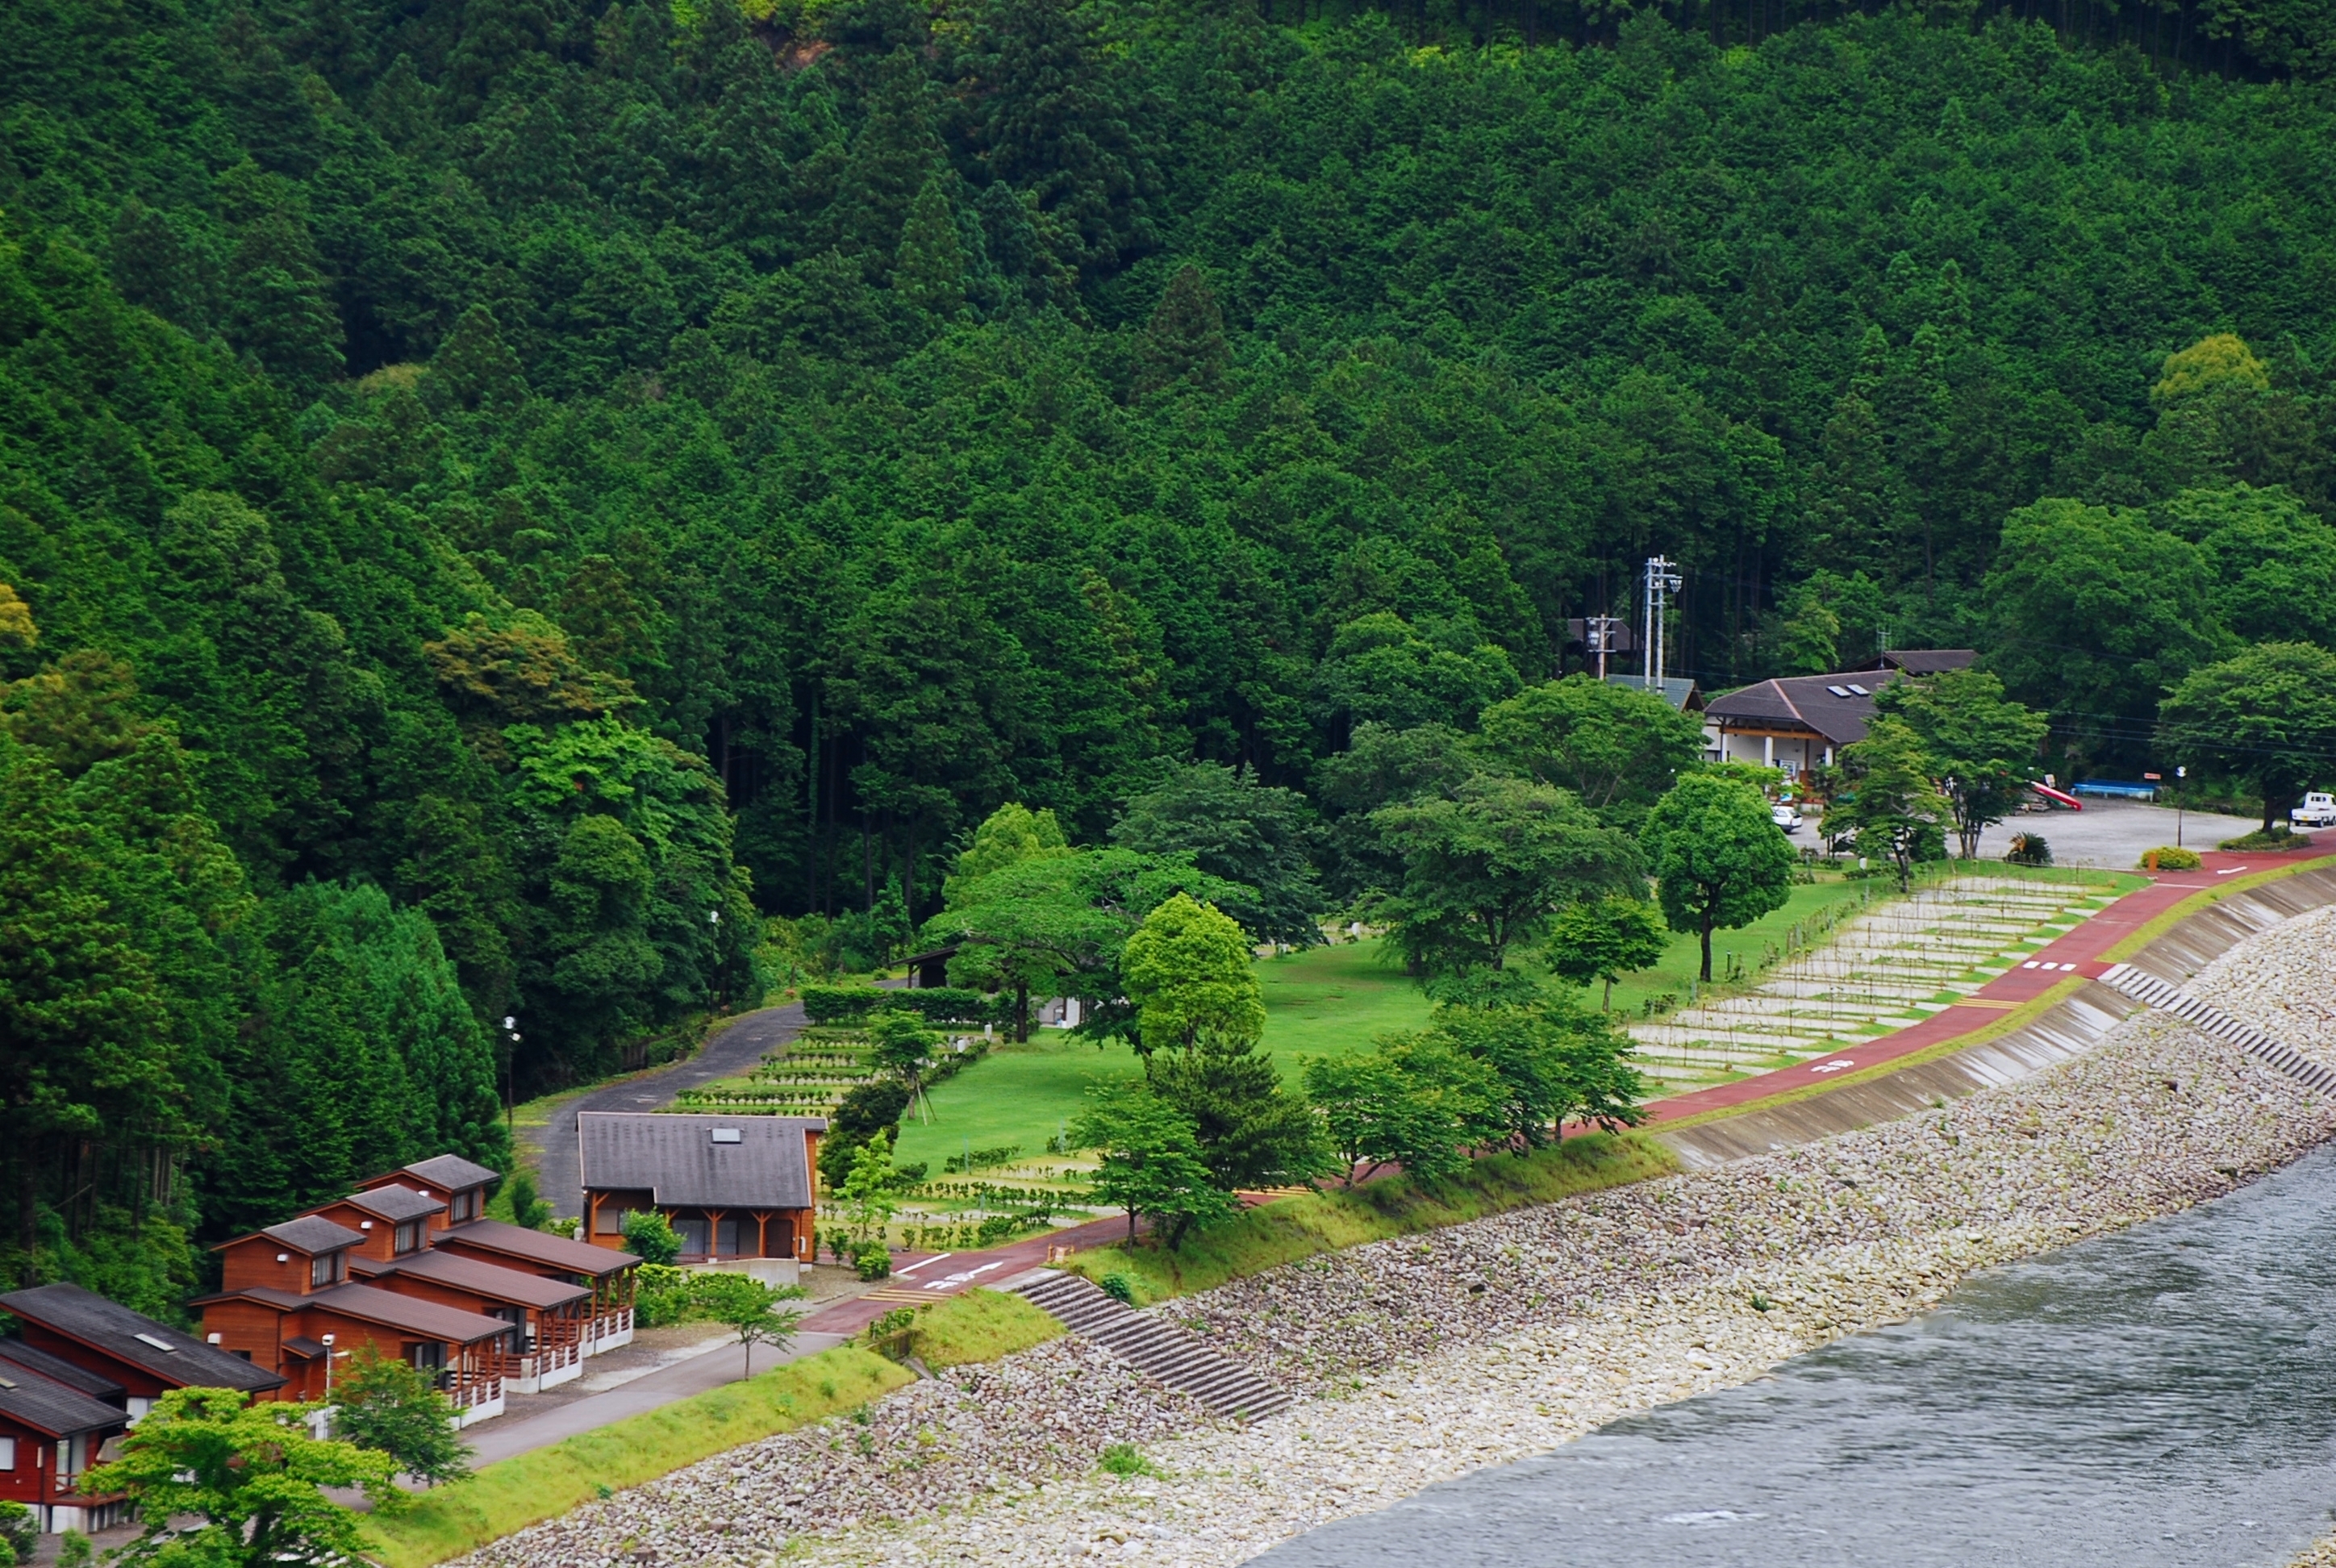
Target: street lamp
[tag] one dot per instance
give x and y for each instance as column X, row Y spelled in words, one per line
column 329, row 1369
column 2179, row 775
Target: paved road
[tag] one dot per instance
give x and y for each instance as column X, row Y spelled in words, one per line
column 493, row 1440
column 736, row 1047
column 2113, row 833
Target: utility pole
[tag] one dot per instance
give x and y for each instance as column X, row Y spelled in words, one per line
column 1662, row 582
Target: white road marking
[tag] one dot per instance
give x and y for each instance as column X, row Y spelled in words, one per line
column 937, row 1257
column 1832, row 1067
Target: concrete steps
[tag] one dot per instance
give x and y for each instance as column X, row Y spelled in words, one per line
column 1223, row 1388
column 2150, row 991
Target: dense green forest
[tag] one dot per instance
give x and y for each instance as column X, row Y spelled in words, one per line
column 497, row 496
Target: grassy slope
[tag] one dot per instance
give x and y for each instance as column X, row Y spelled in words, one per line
column 1299, row 1227
column 978, row 1326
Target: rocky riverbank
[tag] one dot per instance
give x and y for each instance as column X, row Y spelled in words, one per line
column 2284, row 982
column 1428, row 1357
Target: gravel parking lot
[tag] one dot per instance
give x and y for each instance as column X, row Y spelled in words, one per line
column 2113, row 833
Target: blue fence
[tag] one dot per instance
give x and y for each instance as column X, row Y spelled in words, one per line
column 2115, row 789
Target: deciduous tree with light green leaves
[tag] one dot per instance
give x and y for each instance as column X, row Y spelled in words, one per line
column 1981, row 747
column 1191, row 975
column 1487, row 866
column 1718, row 859
column 389, row 1406
column 1604, row 940
column 1055, row 925
column 1150, row 1163
column 2267, row 717
column 1616, row 748
column 252, row 1478
column 1412, row 1101
column 1886, row 800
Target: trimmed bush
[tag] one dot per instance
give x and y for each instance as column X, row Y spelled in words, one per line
column 2167, row 858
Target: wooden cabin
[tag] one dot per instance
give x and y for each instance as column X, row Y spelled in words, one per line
column 609, row 1277
column 549, row 1318
column 143, row 1358
column 287, row 1303
column 461, row 1183
column 734, row 1188
column 51, row 1433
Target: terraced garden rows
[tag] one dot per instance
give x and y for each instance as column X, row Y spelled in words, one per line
column 1882, row 970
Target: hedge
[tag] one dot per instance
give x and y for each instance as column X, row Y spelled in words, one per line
column 937, row 1004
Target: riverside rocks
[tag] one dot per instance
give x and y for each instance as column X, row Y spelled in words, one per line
column 990, row 1429
column 1427, row 1356
column 2280, row 983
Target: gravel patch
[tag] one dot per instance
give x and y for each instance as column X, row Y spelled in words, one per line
column 1419, row 1359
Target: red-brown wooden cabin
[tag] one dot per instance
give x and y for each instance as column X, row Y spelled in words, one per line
column 288, row 1304
column 86, row 1369
column 143, row 1358
column 461, row 1184
column 609, row 1276
column 549, row 1317
column 49, row 1433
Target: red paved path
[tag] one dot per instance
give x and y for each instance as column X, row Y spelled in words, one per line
column 917, row 1278
column 2078, row 953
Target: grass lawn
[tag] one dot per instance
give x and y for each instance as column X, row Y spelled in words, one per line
column 1328, row 1001
column 1324, row 1001
column 1017, row 1095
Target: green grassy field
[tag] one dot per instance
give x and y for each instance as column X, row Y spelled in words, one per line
column 1682, row 962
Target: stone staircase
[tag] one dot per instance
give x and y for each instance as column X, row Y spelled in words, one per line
column 2150, row 991
column 1223, row 1388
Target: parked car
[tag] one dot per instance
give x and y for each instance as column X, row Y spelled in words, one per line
column 1787, row 816
column 2318, row 811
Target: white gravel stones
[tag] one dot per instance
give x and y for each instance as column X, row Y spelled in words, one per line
column 1425, row 1357
column 992, row 1430
column 2284, row 982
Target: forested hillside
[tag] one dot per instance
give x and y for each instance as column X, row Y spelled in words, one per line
column 498, row 496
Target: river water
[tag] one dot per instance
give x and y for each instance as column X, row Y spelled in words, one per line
column 2165, row 1397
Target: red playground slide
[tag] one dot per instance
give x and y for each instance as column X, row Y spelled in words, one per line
column 2059, row 797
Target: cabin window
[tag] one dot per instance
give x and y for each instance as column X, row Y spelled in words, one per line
column 8, row 1453
column 409, row 1236
column 325, row 1268
column 609, row 1220
column 458, row 1208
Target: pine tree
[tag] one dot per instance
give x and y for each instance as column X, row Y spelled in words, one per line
column 1183, row 344
column 929, row 272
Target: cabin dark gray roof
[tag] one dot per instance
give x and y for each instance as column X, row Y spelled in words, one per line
column 693, row 1162
column 312, row 1233
column 1681, row 693
column 427, row 1320
column 52, row 1408
column 493, row 1236
column 114, row 1329
column 1836, row 707
column 393, row 1202
column 57, row 1370
column 448, row 1172
column 478, row 1277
